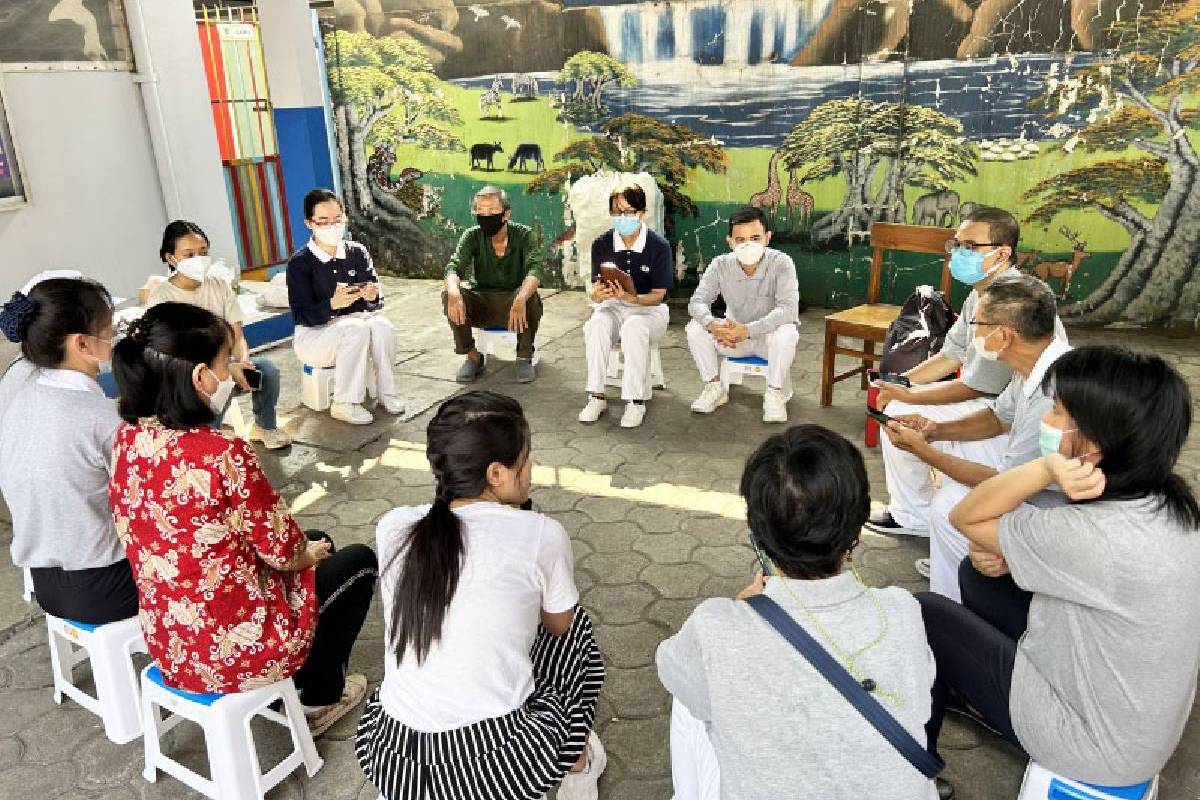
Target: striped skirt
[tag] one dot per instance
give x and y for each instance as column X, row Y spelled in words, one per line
column 519, row 756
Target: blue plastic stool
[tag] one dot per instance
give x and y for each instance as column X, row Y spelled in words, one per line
column 1042, row 784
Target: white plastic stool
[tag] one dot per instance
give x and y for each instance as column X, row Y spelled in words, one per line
column 109, row 649
column 233, row 417
column 616, row 363
column 734, row 369
column 487, row 340
column 1042, row 784
column 316, row 386
column 28, row 591
column 225, row 720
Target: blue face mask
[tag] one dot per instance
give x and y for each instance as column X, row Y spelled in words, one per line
column 967, row 265
column 626, row 226
column 1050, row 439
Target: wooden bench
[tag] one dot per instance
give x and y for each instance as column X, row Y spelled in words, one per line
column 870, row 322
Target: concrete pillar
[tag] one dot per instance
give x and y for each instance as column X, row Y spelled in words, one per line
column 299, row 95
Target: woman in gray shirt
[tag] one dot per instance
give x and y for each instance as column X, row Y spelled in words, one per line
column 1079, row 633
column 752, row 719
column 56, row 436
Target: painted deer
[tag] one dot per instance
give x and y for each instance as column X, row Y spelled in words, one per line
column 1064, row 270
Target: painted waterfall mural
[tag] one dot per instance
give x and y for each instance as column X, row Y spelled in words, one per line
column 1080, row 117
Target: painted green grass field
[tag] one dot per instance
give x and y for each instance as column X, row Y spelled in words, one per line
column 834, row 278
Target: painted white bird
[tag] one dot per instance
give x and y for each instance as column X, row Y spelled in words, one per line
column 509, row 22
column 479, row 11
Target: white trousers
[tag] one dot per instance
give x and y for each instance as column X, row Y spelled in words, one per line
column 908, row 484
column 636, row 328
column 349, row 344
column 695, row 773
column 778, row 347
column 947, row 547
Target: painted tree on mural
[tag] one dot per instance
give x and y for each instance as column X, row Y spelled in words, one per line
column 637, row 143
column 1140, row 89
column 854, row 138
column 383, row 90
column 592, row 73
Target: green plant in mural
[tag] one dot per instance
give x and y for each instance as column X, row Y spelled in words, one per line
column 853, row 138
column 591, row 73
column 637, row 143
column 1140, row 88
column 383, row 91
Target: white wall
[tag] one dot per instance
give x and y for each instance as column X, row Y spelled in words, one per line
column 94, row 199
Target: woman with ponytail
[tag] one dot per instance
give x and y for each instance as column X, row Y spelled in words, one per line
column 56, row 437
column 491, row 673
column 1078, row 637
column 234, row 594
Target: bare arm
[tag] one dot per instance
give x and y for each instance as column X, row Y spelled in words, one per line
column 975, row 427
column 932, row 369
column 241, row 350
column 558, row 624
column 529, row 287
column 978, row 514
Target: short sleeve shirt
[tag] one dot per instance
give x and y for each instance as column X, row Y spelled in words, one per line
column 1023, row 404
column 648, row 262
column 213, row 294
column 518, row 564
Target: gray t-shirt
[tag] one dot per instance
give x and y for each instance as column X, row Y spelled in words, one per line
column 1105, row 674
column 779, row 729
column 56, row 436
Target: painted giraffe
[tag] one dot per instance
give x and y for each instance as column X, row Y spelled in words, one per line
column 797, row 200
column 768, row 199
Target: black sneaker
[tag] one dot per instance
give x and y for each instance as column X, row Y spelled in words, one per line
column 471, row 369
column 883, row 522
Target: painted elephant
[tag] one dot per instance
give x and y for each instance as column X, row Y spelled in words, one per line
column 937, row 208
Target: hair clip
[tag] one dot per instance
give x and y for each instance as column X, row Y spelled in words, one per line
column 16, row 315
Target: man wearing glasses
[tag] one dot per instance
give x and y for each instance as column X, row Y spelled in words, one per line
column 631, row 308
column 983, row 251
column 1013, row 324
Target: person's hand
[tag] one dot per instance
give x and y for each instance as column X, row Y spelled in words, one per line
column 1078, row 478
column 602, row 290
column 737, row 333
column 927, row 427
column 318, row 551
column 369, row 292
column 456, row 308
column 237, row 371
column 906, row 437
column 518, row 320
column 988, row 564
column 889, row 392
column 343, row 296
column 622, row 295
column 756, row 586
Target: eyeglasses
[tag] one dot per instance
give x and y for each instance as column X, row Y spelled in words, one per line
column 627, row 214
column 954, row 244
column 977, row 322
column 322, row 222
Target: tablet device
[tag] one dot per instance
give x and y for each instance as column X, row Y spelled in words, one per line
column 614, row 275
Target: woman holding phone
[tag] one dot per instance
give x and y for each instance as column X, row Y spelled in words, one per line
column 197, row 280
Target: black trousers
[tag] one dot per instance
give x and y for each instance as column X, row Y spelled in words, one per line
column 975, row 646
column 345, row 584
column 93, row 596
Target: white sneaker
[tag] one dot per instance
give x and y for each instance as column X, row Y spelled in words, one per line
column 924, row 567
column 634, row 414
column 583, row 785
column 594, row 408
column 774, row 406
column 353, row 413
column 712, row 397
column 272, row 439
column 392, row 404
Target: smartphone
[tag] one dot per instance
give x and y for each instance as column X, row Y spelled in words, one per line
column 253, row 377
column 878, row 416
column 768, row 568
column 889, row 377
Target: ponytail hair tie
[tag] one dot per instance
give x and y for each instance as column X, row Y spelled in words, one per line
column 16, row 315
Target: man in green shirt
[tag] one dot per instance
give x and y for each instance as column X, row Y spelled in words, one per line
column 492, row 281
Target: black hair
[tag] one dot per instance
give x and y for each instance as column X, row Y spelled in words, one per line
column 1024, row 302
column 748, row 214
column 55, row 309
column 1137, row 409
column 154, row 363
column 468, row 434
column 1002, row 226
column 633, row 194
column 175, row 231
column 316, row 197
column 807, row 498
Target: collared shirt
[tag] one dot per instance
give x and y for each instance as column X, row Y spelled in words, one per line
column 324, row 257
column 648, row 262
column 639, row 244
column 989, row 377
column 762, row 301
column 70, row 379
column 1023, row 404
column 313, row 276
column 476, row 262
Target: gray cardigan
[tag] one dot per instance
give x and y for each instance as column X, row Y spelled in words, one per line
column 55, row 451
column 779, row 729
column 762, row 302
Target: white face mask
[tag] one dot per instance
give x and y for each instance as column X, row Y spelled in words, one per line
column 749, row 253
column 983, row 352
column 330, row 235
column 195, row 267
column 219, row 399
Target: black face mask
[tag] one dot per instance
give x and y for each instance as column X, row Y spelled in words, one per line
column 490, row 224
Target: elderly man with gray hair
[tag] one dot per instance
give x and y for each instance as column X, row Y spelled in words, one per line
column 1015, row 323
column 492, row 281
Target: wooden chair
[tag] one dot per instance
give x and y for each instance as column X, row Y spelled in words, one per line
column 870, row 322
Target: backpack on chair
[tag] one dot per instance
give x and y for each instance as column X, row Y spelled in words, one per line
column 918, row 332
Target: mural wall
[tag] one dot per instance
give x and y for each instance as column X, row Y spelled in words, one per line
column 1079, row 117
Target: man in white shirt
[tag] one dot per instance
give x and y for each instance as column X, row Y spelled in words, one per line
column 762, row 302
column 1014, row 324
